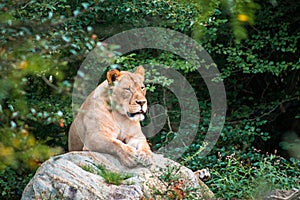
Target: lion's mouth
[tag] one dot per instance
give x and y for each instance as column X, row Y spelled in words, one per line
column 136, row 113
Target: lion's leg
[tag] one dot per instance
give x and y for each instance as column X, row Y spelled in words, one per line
column 126, row 154
column 74, row 141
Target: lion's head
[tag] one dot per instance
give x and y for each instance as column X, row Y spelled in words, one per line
column 128, row 93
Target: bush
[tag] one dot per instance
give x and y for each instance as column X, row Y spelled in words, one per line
column 12, row 183
column 234, row 177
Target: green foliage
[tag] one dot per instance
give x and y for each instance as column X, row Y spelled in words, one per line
column 34, row 88
column 110, row 177
column 239, row 12
column 239, row 179
column 271, row 45
column 170, row 174
column 12, row 183
column 175, row 187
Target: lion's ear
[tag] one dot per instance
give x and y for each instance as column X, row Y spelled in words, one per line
column 140, row 70
column 112, row 75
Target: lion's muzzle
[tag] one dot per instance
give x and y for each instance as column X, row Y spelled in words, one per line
column 138, row 111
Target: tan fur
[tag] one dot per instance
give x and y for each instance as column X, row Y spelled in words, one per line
column 108, row 120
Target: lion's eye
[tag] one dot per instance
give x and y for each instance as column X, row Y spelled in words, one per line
column 143, row 88
column 127, row 89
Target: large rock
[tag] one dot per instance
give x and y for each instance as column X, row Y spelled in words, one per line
column 74, row 176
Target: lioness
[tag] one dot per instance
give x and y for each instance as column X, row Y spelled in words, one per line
column 108, row 120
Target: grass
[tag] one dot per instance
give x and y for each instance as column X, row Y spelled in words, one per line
column 110, row 177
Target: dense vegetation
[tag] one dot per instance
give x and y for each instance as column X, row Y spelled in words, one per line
column 255, row 47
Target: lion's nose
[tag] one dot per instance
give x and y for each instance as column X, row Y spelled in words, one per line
column 141, row 102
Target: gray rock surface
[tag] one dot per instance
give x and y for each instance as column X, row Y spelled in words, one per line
column 63, row 177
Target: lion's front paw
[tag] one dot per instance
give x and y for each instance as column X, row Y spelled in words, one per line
column 130, row 162
column 129, row 156
column 145, row 158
